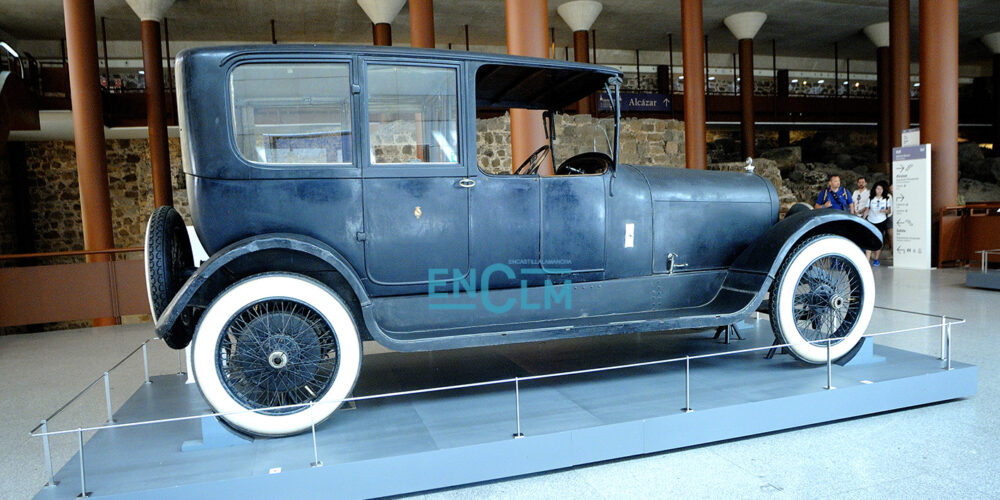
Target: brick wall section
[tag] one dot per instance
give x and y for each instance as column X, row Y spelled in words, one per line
column 7, row 237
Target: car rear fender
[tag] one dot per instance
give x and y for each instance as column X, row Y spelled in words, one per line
column 764, row 256
column 263, row 253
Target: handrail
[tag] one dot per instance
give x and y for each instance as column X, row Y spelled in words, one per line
column 946, row 321
column 70, row 253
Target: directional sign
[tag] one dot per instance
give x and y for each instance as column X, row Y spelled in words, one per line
column 911, row 207
column 637, row 102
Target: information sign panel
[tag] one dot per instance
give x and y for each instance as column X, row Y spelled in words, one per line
column 911, row 207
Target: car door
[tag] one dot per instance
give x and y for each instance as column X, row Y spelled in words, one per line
column 416, row 196
column 573, row 225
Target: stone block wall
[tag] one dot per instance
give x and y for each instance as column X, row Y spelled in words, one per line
column 644, row 141
column 54, row 192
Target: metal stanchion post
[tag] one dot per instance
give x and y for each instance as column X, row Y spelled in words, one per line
column 145, row 361
column 829, row 367
column 312, row 419
column 180, row 361
column 48, row 454
column 943, row 327
column 687, row 385
column 107, row 397
column 948, row 351
column 83, row 476
column 517, row 407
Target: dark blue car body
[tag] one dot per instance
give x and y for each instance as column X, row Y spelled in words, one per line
column 629, row 249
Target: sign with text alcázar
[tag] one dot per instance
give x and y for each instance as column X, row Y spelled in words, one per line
column 636, row 102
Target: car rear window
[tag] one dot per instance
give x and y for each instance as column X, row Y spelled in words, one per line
column 412, row 114
column 292, row 113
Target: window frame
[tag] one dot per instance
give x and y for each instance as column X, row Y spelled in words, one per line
column 295, row 170
column 421, row 169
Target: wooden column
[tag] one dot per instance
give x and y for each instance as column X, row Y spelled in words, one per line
column 527, row 23
column 156, row 120
column 692, row 39
column 939, row 98
column 581, row 53
column 884, row 106
column 382, row 34
column 746, row 98
column 899, row 66
column 996, row 104
column 422, row 23
column 88, row 130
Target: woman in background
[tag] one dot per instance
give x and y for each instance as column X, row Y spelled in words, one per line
column 878, row 212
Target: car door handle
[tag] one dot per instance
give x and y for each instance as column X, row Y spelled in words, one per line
column 467, row 183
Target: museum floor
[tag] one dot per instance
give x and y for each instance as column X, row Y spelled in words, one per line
column 950, row 449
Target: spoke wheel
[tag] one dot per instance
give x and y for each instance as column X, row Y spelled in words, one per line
column 824, row 293
column 276, row 340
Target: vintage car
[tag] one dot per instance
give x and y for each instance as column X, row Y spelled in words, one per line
column 340, row 196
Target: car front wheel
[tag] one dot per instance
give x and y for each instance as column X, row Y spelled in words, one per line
column 276, row 340
column 823, row 293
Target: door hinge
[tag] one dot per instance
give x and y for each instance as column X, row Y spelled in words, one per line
column 355, row 88
column 362, row 236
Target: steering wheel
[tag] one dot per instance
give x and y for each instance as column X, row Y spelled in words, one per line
column 534, row 161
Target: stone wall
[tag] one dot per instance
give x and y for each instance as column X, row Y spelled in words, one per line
column 644, row 141
column 55, row 193
column 8, row 242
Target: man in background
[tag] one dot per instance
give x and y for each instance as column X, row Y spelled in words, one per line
column 835, row 196
column 861, row 197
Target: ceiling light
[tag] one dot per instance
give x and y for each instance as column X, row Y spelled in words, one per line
column 711, row 78
column 141, row 72
column 9, row 49
column 795, row 80
column 845, row 83
column 821, row 82
column 916, row 84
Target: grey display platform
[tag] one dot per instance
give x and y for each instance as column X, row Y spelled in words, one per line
column 989, row 279
column 420, row 442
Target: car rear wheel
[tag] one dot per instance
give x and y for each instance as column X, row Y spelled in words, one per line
column 276, row 340
column 824, row 291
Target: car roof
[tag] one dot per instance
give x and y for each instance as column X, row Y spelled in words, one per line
column 502, row 80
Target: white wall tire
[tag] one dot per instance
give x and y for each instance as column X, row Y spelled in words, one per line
column 256, row 346
column 824, row 290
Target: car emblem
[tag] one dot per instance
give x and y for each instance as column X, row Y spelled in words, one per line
column 416, row 212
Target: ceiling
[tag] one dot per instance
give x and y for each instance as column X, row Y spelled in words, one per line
column 799, row 27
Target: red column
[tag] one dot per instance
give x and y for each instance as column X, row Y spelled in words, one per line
column 581, row 53
column 694, row 84
column 422, row 23
column 996, row 104
column 527, row 35
column 746, row 98
column 899, row 66
column 88, row 130
column 884, row 106
column 382, row 34
column 156, row 121
column 939, row 98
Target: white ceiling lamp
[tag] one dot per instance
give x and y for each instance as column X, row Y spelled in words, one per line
column 150, row 10
column 878, row 33
column 993, row 42
column 381, row 11
column 745, row 25
column 580, row 14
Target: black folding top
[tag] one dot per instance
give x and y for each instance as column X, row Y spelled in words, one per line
column 537, row 87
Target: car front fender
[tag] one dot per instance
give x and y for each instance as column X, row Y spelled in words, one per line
column 765, row 255
column 304, row 254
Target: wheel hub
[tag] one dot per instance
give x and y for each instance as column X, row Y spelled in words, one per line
column 837, row 302
column 278, row 360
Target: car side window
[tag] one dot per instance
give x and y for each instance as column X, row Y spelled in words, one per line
column 292, row 113
column 412, row 114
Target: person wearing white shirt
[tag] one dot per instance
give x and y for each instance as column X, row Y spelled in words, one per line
column 877, row 212
column 861, row 197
